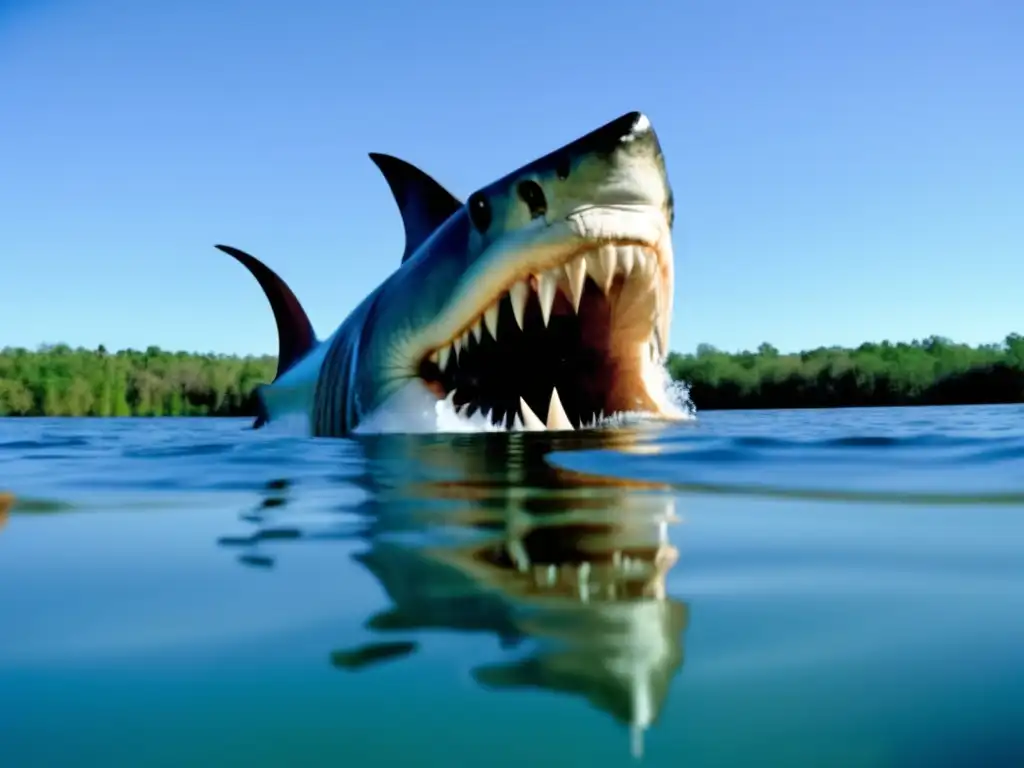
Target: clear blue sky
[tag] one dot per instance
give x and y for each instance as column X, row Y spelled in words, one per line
column 843, row 171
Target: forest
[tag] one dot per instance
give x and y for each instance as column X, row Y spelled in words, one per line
column 57, row 380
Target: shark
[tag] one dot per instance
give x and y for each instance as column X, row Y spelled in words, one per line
column 543, row 301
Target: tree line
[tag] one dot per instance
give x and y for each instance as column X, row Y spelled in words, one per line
column 932, row 371
column 57, row 380
column 60, row 381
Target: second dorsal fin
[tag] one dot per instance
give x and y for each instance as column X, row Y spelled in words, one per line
column 424, row 204
column 295, row 335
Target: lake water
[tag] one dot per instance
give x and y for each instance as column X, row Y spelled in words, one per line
column 802, row 588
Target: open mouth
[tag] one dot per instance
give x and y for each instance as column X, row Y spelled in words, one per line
column 562, row 349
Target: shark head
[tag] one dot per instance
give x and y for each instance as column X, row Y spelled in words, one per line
column 543, row 301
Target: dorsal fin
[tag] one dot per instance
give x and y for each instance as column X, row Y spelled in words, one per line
column 295, row 337
column 424, row 204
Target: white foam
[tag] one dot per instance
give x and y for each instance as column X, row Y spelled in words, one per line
column 410, row 410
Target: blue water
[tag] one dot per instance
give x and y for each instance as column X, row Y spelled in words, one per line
column 802, row 588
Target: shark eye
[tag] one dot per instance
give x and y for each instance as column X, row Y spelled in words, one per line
column 480, row 212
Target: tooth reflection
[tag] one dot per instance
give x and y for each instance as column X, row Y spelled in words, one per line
column 593, row 601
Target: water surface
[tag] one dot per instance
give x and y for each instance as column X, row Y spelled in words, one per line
column 802, row 588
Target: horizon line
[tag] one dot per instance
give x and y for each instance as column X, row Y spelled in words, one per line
column 44, row 347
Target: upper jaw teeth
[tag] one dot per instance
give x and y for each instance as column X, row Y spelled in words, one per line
column 639, row 265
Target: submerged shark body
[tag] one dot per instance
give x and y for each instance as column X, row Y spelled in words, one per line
column 547, row 292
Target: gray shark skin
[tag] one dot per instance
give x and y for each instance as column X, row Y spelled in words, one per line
column 547, row 292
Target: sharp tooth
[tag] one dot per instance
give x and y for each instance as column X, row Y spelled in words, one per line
column 639, row 261
column 645, row 268
column 450, row 398
column 637, row 303
column 442, row 357
column 465, row 339
column 477, row 330
column 456, row 347
column 518, row 295
column 547, row 287
column 576, row 271
column 650, row 263
column 601, row 266
column 626, row 259
column 433, row 357
column 557, row 418
column 530, row 421
column 517, row 424
column 491, row 319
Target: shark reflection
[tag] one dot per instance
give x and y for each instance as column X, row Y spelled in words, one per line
column 479, row 534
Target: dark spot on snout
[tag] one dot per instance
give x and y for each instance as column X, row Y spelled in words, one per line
column 531, row 194
column 480, row 211
column 563, row 167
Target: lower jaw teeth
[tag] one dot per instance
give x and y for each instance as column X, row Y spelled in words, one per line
column 527, row 421
column 557, row 417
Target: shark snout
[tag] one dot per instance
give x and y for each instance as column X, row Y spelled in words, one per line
column 618, row 164
column 612, row 136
